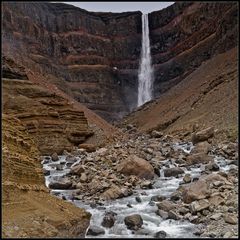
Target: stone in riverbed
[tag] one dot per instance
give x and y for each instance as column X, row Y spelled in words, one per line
column 139, row 167
column 88, row 147
column 212, row 167
column 133, row 222
column 198, row 158
column 173, row 215
column 187, row 178
column 158, row 198
column 160, row 234
column 169, row 172
column 54, row 157
column 77, row 169
column 166, row 205
column 216, row 216
column 162, row 214
column 95, row 231
column 46, row 172
column 60, row 185
column 156, row 134
column 109, row 219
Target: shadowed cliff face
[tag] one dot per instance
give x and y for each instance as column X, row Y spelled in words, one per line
column 95, row 56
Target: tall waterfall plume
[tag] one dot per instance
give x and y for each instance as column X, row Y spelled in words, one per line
column 145, row 74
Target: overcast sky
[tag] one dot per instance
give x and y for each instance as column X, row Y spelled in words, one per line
column 145, row 7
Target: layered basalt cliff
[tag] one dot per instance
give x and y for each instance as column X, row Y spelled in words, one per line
column 28, row 210
column 94, row 57
column 50, row 119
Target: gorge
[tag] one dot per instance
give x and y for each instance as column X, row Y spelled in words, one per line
column 120, row 124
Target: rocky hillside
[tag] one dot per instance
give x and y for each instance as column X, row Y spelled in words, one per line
column 28, row 210
column 208, row 98
column 94, row 58
column 52, row 120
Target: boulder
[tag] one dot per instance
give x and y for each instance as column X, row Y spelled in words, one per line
column 216, row 200
column 173, row 215
column 60, row 185
column 77, row 169
column 187, row 178
column 156, row 134
column 133, row 222
column 158, row 198
column 202, row 135
column 166, row 205
column 200, row 205
column 162, row 214
column 198, row 158
column 115, row 192
column 195, row 191
column 88, row 147
column 109, row 219
column 134, row 165
column 54, row 157
column 201, row 147
column 175, row 171
column 160, row 234
column 95, row 231
column 231, row 219
column 211, row 167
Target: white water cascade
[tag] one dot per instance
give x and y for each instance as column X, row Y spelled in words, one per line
column 145, row 74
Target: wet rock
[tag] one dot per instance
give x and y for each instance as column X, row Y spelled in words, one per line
column 198, row 158
column 212, row 167
column 60, row 185
column 160, row 234
column 158, row 198
column 197, row 206
column 187, row 178
column 166, row 205
column 162, row 214
column 202, row 135
column 59, row 167
column 95, row 231
column 54, row 157
column 230, row 218
column 139, row 167
column 129, row 205
column 156, row 134
column 109, row 219
column 146, row 185
column 169, row 172
column 133, row 222
column 173, row 215
column 195, row 191
column 175, row 196
column 138, row 199
column 46, row 172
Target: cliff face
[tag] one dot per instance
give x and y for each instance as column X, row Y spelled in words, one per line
column 28, row 210
column 79, row 48
column 49, row 118
column 94, row 57
column 186, row 34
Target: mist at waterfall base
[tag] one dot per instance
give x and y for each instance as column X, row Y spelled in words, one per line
column 145, row 74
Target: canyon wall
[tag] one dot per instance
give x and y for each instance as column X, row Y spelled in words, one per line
column 28, row 210
column 94, row 57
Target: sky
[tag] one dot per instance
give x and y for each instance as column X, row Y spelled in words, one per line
column 144, row 7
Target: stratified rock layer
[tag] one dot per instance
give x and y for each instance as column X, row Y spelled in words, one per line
column 28, row 210
column 94, row 57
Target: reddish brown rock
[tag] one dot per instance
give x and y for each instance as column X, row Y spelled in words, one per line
column 139, row 167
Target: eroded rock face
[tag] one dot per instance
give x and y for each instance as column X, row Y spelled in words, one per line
column 95, row 58
column 25, row 197
column 48, row 117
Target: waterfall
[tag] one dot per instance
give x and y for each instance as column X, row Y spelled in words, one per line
column 145, row 74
